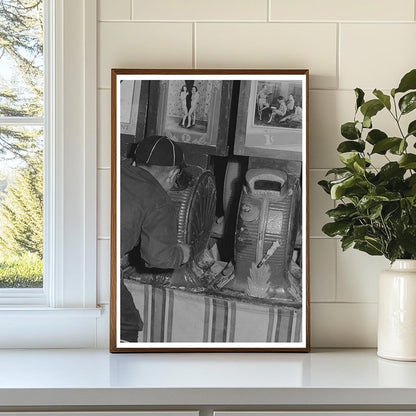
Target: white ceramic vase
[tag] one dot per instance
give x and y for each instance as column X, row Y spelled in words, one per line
column 397, row 312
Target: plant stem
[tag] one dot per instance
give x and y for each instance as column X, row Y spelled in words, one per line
column 397, row 118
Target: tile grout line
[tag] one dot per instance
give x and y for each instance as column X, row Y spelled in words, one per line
column 306, row 22
column 322, row 237
column 194, row 62
column 338, row 63
column 131, row 9
column 336, row 272
column 269, row 10
column 352, row 302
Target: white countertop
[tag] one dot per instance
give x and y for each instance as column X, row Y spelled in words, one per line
column 96, row 377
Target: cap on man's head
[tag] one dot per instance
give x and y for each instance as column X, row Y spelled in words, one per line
column 159, row 151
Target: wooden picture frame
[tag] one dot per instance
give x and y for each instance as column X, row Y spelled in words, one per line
column 242, row 210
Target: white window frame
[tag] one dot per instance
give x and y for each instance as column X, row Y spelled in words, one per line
column 64, row 313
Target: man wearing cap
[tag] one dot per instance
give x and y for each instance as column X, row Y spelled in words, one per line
column 148, row 220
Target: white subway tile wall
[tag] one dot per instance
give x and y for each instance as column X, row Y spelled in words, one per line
column 270, row 46
column 357, row 275
column 345, row 44
column 319, row 203
column 104, row 203
column 366, row 51
column 323, row 269
column 200, row 10
column 114, row 10
column 104, row 128
column 352, row 10
column 103, row 270
column 338, row 325
column 142, row 45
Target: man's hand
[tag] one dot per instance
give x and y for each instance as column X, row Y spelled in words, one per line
column 186, row 250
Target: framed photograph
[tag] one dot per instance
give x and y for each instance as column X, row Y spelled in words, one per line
column 271, row 119
column 209, row 220
column 192, row 111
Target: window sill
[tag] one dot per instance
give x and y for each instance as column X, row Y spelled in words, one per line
column 36, row 311
column 40, row 327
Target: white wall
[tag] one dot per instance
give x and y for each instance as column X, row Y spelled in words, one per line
column 345, row 44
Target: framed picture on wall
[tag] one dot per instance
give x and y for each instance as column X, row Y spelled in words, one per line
column 129, row 106
column 134, row 95
column 192, row 111
column 209, row 236
column 271, row 119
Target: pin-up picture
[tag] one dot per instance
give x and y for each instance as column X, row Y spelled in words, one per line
column 272, row 117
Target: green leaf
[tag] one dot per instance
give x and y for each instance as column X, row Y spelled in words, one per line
column 391, row 212
column 349, row 146
column 375, row 136
column 383, row 145
column 408, row 161
column 367, row 122
column 361, row 231
column 408, row 82
column 411, row 183
column 359, row 95
column 338, row 171
column 391, row 170
column 371, row 108
column 398, row 149
column 340, row 188
column 385, row 99
column 346, row 242
column 369, row 201
column 359, row 165
column 342, row 211
column 412, row 202
column 325, row 186
column 411, row 130
column 393, row 250
column 337, row 189
column 368, row 248
column 336, row 228
column 393, row 92
column 349, row 131
column 348, row 158
column 411, row 180
column 408, row 102
column 375, row 211
column 407, row 240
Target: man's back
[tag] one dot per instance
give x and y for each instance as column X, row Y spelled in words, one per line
column 148, row 218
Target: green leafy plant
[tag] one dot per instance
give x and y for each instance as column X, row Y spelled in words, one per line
column 376, row 210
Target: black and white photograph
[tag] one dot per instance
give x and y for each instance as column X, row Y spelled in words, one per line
column 192, row 111
column 278, row 104
column 190, row 108
column 209, row 247
column 271, row 117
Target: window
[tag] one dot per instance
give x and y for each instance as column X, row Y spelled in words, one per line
column 63, row 312
column 21, row 143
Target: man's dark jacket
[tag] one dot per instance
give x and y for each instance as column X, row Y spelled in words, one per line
column 147, row 222
column 148, row 217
